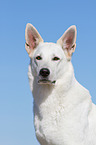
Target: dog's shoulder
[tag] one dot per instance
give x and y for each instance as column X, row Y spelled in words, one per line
column 80, row 94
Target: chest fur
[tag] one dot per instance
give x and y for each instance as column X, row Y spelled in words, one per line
column 62, row 121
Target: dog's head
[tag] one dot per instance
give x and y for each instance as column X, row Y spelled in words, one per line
column 49, row 60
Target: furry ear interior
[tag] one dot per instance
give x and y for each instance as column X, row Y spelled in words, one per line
column 68, row 41
column 32, row 38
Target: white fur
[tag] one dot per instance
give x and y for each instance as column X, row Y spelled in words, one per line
column 63, row 113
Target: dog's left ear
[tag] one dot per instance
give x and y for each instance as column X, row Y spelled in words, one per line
column 68, row 41
column 32, row 38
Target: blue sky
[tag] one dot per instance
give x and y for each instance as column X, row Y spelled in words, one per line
column 51, row 18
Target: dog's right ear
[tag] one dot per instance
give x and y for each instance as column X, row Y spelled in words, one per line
column 32, row 38
column 68, row 41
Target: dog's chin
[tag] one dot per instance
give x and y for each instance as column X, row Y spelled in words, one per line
column 46, row 82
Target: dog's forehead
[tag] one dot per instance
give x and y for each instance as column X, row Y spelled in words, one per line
column 49, row 48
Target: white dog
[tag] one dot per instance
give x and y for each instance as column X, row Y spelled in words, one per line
column 63, row 111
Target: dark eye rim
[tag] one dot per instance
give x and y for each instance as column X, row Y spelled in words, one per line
column 38, row 57
column 55, row 58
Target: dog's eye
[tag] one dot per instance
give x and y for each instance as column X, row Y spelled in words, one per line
column 56, row 58
column 38, row 57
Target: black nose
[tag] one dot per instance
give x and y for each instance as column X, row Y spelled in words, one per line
column 44, row 72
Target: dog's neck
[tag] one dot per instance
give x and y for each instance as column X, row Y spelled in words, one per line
column 62, row 86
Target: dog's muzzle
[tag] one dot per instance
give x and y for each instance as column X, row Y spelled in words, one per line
column 44, row 75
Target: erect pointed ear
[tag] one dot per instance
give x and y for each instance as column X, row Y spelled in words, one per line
column 68, row 41
column 32, row 38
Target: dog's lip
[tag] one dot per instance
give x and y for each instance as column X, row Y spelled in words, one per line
column 45, row 81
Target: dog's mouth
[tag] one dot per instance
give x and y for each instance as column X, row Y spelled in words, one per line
column 45, row 81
